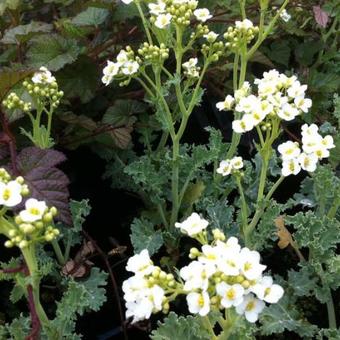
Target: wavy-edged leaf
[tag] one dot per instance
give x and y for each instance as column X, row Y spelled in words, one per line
column 52, row 51
column 45, row 181
column 92, row 16
column 23, row 33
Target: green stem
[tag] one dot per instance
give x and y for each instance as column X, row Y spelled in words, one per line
column 263, row 36
column 162, row 215
column 263, row 176
column 235, row 71
column 209, row 327
column 145, row 24
column 58, row 252
column 32, row 264
column 244, row 206
column 259, row 212
column 243, row 8
column 174, row 182
column 334, row 208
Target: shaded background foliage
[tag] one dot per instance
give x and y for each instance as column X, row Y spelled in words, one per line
column 101, row 129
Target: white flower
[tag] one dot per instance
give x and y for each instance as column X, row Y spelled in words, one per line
column 231, row 295
column 309, row 130
column 297, row 90
column 211, row 36
column 289, row 150
column 109, row 71
column 34, row 210
column 133, row 287
column 227, row 104
column 248, row 104
column 288, row 112
column 122, row 57
column 198, row 303
column 130, row 68
column 140, row 310
column 140, row 264
column 230, row 263
column 308, row 162
column 243, row 125
column 285, row 16
column 225, row 168
column 243, row 91
column 303, row 104
column 192, row 62
column 321, row 152
column 244, row 25
column 328, row 142
column 193, row 225
column 267, row 88
column 267, row 291
column 196, row 275
column 202, row 14
column 156, row 295
column 250, row 264
column 237, row 163
column 126, row 2
column 163, row 20
column 258, row 116
column 251, row 307
column 10, row 193
column 43, row 76
column 290, row 167
column 158, row 8
column 210, row 255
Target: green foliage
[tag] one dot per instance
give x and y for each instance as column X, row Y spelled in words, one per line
column 179, row 327
column 52, row 51
column 144, row 236
column 285, row 316
column 79, row 296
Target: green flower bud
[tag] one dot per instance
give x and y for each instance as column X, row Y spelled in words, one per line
column 9, row 244
column 162, row 275
column 245, row 284
column 18, row 219
column 48, row 217
column 54, row 211
column 12, row 233
column 49, row 237
column 23, row 244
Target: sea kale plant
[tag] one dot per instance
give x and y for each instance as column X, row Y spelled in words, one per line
column 220, row 200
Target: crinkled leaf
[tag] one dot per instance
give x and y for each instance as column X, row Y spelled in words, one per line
column 302, row 281
column 92, row 16
column 45, row 181
column 79, row 296
column 52, row 51
column 180, row 328
column 22, row 33
column 79, row 210
column 282, row 316
column 144, row 236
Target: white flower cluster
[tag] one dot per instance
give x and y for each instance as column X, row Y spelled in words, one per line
column 30, row 223
column 278, row 96
column 191, row 69
column 221, row 275
column 125, row 66
column 314, row 148
column 229, row 166
column 43, row 76
column 144, row 292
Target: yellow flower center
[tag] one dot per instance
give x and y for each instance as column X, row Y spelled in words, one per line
column 231, row 294
column 34, row 211
column 201, row 301
column 6, row 194
column 267, row 291
column 247, row 266
column 250, row 306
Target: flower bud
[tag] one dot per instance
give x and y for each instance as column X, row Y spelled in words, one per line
column 23, row 244
column 9, row 244
column 48, row 217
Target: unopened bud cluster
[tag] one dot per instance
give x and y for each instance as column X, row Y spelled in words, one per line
column 13, row 102
column 154, row 54
column 243, row 32
column 182, row 11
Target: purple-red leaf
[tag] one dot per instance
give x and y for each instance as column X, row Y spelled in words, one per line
column 45, row 181
column 321, row 17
